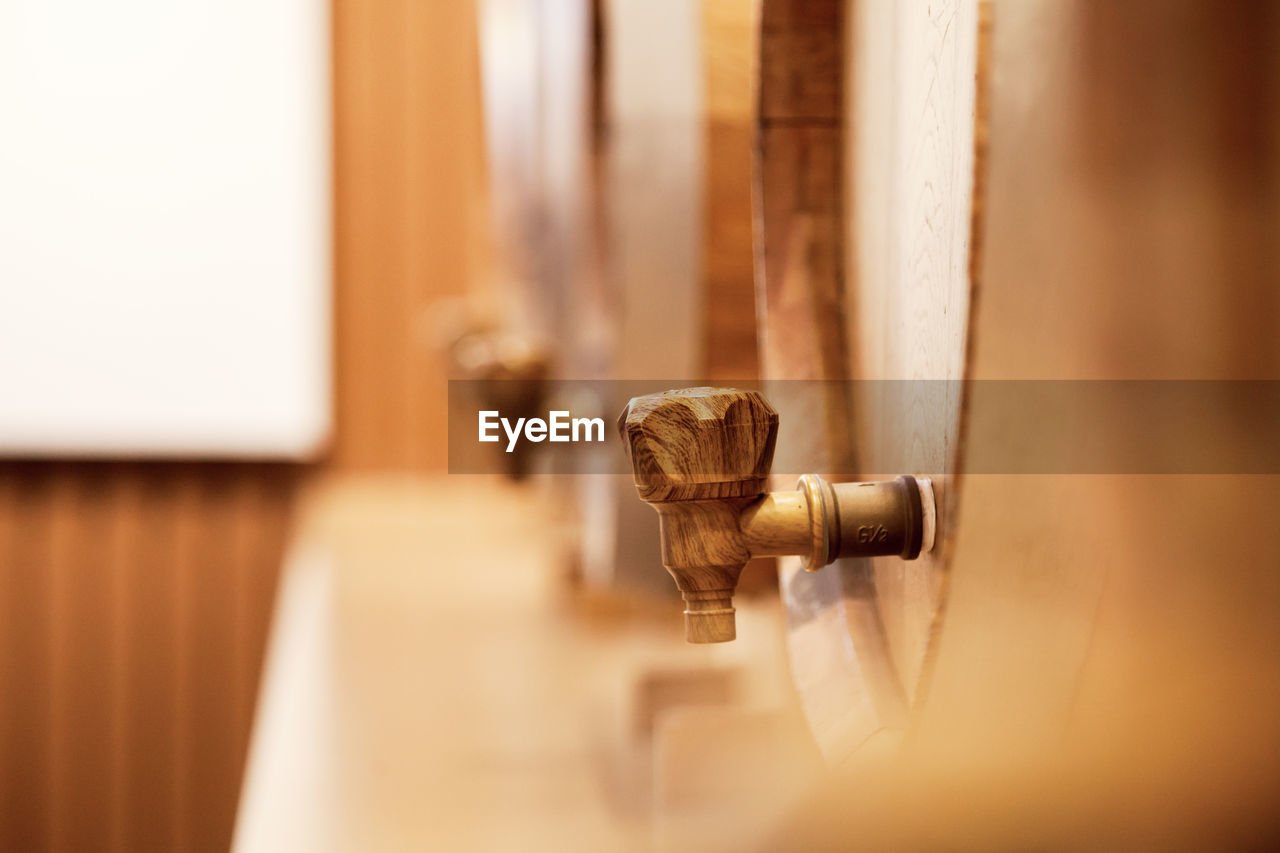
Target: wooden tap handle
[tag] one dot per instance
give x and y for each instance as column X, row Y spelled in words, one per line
column 699, row 443
column 701, row 458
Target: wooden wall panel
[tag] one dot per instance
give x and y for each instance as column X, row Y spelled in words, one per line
column 135, row 598
column 135, row 610
column 410, row 219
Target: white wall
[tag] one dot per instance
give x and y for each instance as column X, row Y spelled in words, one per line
column 164, row 227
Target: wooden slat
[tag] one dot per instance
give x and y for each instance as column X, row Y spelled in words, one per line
column 82, row 720
column 802, row 62
column 729, row 36
column 149, row 546
column 27, row 654
column 134, row 536
column 207, row 667
column 799, row 208
column 730, row 349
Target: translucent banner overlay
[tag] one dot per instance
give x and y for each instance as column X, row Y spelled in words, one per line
column 888, row 427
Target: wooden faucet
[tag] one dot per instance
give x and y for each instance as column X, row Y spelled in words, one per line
column 701, row 458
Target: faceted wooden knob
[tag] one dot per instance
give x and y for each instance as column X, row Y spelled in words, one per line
column 699, row 443
column 699, row 455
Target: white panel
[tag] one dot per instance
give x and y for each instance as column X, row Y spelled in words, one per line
column 164, row 227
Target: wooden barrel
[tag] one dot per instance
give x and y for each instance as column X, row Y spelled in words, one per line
column 977, row 192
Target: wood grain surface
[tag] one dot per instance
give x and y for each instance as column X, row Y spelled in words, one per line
column 730, row 33
column 911, row 180
column 1105, row 673
column 866, row 168
column 799, row 212
column 411, row 221
column 699, row 456
column 136, row 605
column 1146, row 260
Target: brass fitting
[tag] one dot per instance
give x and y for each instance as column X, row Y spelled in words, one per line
column 701, row 458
